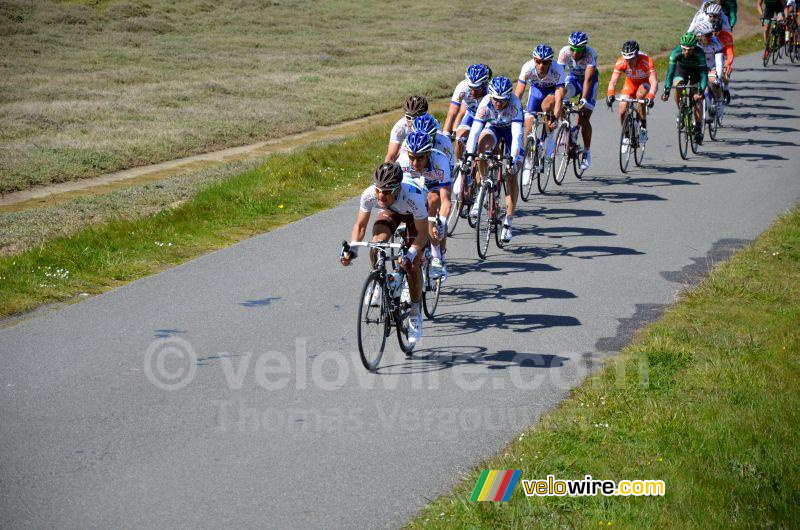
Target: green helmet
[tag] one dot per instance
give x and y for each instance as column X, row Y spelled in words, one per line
column 689, row 40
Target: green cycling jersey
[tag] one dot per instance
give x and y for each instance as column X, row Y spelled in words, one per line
column 729, row 7
column 696, row 62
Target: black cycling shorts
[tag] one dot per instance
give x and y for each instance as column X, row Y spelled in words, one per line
column 770, row 12
column 689, row 76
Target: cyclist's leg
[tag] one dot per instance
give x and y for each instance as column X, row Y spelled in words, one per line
column 414, row 273
column 641, row 92
column 486, row 143
column 586, row 115
column 385, row 225
column 510, row 179
column 462, row 133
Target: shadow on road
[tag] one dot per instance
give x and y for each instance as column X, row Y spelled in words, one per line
column 645, row 182
column 436, row 359
column 752, row 157
column 471, row 293
column 554, row 214
column 764, row 128
column 581, row 252
column 468, row 322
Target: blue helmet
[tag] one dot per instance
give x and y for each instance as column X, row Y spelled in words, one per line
column 426, row 123
column 477, row 75
column 418, row 142
column 578, row 39
column 500, row 87
column 543, row 52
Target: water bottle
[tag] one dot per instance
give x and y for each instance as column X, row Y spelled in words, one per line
column 573, row 135
column 393, row 282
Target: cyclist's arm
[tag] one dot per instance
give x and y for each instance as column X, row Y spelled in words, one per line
column 671, row 71
column 360, row 228
column 719, row 64
column 732, row 15
column 559, row 101
column 516, row 139
column 392, row 152
column 653, row 81
column 760, row 7
column 461, row 112
column 703, row 78
column 588, row 80
column 422, row 234
column 474, row 133
column 452, row 112
column 612, row 84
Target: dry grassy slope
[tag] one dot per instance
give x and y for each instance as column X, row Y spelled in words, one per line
column 88, row 88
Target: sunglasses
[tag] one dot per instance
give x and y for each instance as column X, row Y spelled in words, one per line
column 416, row 157
column 543, row 61
column 386, row 191
column 577, row 49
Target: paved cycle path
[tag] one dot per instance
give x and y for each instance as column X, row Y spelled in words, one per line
column 278, row 425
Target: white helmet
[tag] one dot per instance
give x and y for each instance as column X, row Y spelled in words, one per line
column 712, row 9
column 703, row 27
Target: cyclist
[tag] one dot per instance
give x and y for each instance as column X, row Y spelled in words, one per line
column 399, row 200
column 464, row 103
column 729, row 8
column 709, row 12
column 641, row 82
column 441, row 142
column 726, row 38
column 687, row 64
column 431, row 169
column 498, row 116
column 582, row 80
column 414, row 106
column 712, row 48
column 547, row 80
column 791, row 18
column 769, row 10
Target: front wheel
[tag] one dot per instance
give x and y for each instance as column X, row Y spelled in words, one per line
column 457, row 201
column 401, row 317
column 499, row 209
column 561, row 155
column 430, row 295
column 712, row 125
column 639, row 146
column 373, row 324
column 625, row 143
column 684, row 133
column 529, row 165
column 483, row 225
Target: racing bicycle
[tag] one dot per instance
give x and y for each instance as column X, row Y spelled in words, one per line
column 630, row 137
column 686, row 119
column 491, row 200
column 536, row 166
column 569, row 144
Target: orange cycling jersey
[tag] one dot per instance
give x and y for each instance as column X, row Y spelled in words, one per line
column 726, row 38
column 641, row 70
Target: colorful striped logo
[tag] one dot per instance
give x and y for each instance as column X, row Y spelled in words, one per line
column 495, row 485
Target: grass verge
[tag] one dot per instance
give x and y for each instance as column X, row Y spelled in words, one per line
column 99, row 257
column 705, row 399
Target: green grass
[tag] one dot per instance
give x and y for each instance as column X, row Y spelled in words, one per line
column 95, row 86
column 715, row 415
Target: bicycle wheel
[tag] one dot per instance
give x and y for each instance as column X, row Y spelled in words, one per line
column 712, row 126
column 469, row 199
column 430, row 295
column 529, row 165
column 561, row 155
column 456, row 202
column 683, row 133
column 373, row 323
column 543, row 173
column 483, row 225
column 625, row 134
column 499, row 210
column 638, row 146
column 577, row 155
column 402, row 313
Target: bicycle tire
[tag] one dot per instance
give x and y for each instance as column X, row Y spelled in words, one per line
column 639, row 148
column 683, row 133
column 499, row 216
column 712, row 127
column 430, row 296
column 401, row 316
column 579, row 152
column 561, row 154
column 455, row 205
column 529, row 164
column 765, row 58
column 371, row 354
column 483, row 224
column 543, row 176
column 627, row 132
column 469, row 199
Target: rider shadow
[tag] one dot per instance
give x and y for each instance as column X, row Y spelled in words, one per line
column 560, row 232
column 760, row 70
column 472, row 293
column 468, row 322
column 609, row 196
column 764, row 128
column 645, row 182
column 762, row 106
column 751, row 157
column 508, row 267
column 761, row 143
column 441, row 358
column 697, row 170
column 764, row 115
column 555, row 214
column 760, row 98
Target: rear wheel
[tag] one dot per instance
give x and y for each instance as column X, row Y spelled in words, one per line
column 543, row 176
column 626, row 134
column 529, row 165
column 639, row 147
column 457, row 201
column 373, row 324
column 684, row 133
column 712, row 125
column 578, row 151
column 499, row 210
column 561, row 155
column 483, row 225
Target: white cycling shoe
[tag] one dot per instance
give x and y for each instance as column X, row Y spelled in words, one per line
column 436, row 268
column 643, row 135
column 373, row 297
column 473, row 213
column 505, row 235
column 587, row 161
column 414, row 328
column 626, row 145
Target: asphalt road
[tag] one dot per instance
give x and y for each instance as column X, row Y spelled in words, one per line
column 278, row 425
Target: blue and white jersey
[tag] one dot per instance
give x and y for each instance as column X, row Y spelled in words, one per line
column 487, row 115
column 412, row 199
column 702, row 17
column 462, row 93
column 554, row 76
column 400, row 130
column 713, row 51
column 577, row 69
column 437, row 172
column 441, row 143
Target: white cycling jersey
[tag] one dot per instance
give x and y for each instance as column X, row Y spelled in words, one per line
column 555, row 75
column 713, row 51
column 702, row 17
column 791, row 3
column 437, row 172
column 577, row 69
column 511, row 116
column 441, row 143
column 399, row 131
column 410, row 201
column 462, row 94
